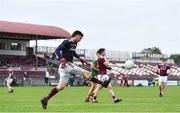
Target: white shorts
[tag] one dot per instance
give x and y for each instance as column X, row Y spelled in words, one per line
column 162, row 79
column 69, row 69
column 103, row 77
column 9, row 81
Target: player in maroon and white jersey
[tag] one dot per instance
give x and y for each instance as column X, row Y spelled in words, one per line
column 102, row 75
column 10, row 80
column 164, row 70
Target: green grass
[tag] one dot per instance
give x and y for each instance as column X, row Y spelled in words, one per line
column 135, row 99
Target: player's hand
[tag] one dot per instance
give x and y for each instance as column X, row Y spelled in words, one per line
column 83, row 61
column 63, row 63
column 63, row 60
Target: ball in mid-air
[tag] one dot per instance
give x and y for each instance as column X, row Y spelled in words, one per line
column 129, row 64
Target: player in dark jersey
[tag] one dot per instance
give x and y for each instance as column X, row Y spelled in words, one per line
column 164, row 70
column 102, row 75
column 65, row 53
column 10, row 80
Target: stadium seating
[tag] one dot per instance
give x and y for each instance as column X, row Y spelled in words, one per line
column 141, row 70
column 146, row 70
column 20, row 61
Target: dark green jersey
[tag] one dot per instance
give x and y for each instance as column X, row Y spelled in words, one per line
column 93, row 71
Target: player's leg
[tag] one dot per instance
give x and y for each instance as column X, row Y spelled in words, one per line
column 122, row 82
column 160, row 89
column 87, row 75
column 111, row 90
column 164, row 87
column 91, row 89
column 126, row 83
column 95, row 93
column 79, row 71
column 55, row 90
column 115, row 99
column 9, row 81
column 164, row 84
column 62, row 84
column 160, row 86
column 97, row 89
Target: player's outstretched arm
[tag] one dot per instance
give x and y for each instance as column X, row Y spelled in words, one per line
column 84, row 62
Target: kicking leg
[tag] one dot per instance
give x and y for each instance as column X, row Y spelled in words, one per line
column 87, row 75
column 79, row 71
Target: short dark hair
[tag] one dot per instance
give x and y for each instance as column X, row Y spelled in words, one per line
column 77, row 32
column 101, row 50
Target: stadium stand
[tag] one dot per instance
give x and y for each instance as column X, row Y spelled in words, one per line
column 15, row 50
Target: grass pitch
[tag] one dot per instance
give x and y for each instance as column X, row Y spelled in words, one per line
column 135, row 99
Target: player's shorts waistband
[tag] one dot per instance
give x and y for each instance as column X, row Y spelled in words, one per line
column 163, row 75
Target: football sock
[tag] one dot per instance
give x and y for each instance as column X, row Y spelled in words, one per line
column 52, row 93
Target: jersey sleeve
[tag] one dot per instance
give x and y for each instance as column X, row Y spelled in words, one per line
column 94, row 62
column 60, row 48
